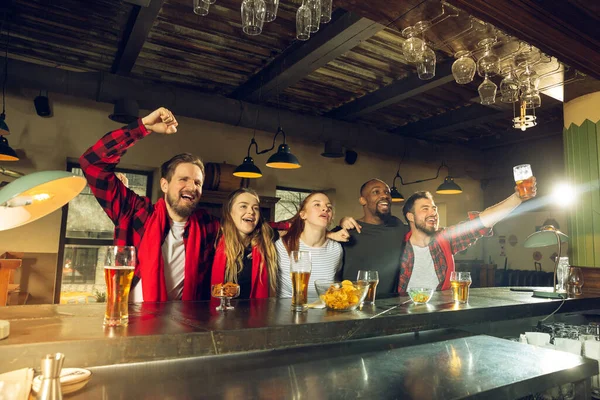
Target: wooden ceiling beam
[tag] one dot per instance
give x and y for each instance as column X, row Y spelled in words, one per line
column 396, row 92
column 345, row 31
column 138, row 27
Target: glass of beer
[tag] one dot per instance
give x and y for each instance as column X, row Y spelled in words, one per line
column 118, row 273
column 372, row 279
column 460, row 282
column 524, row 180
column 300, row 268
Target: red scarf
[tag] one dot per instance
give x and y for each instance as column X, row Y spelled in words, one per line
column 260, row 280
column 151, row 266
column 447, row 251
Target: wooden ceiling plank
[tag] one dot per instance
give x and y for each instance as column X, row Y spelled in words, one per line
column 343, row 33
column 142, row 20
column 396, row 92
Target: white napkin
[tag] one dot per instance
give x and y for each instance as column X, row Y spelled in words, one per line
column 537, row 338
column 16, row 385
column 568, row 345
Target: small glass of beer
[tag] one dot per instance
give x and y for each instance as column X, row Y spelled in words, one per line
column 118, row 273
column 372, row 279
column 460, row 282
column 300, row 268
column 524, row 180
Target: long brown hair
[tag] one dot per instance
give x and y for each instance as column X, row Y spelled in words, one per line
column 261, row 237
column 291, row 240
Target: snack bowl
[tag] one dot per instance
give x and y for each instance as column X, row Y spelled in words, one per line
column 420, row 295
column 225, row 292
column 342, row 296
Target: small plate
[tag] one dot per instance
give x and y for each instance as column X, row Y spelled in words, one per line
column 71, row 380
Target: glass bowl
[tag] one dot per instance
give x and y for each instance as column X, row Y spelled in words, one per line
column 420, row 295
column 342, row 296
column 225, row 292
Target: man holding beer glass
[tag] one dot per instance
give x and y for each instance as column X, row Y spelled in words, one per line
column 428, row 258
column 173, row 238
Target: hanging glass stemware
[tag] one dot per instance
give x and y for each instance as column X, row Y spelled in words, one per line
column 271, row 7
column 509, row 87
column 326, row 6
column 487, row 92
column 315, row 15
column 426, row 67
column 463, row 69
column 201, row 7
column 303, row 17
column 413, row 46
column 489, row 63
column 253, row 16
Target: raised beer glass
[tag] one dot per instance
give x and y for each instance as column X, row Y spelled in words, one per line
column 524, row 180
column 371, row 278
column 460, row 282
column 118, row 273
column 300, row 268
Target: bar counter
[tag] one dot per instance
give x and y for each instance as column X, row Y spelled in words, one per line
column 162, row 331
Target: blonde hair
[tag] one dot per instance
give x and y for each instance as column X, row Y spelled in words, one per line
column 261, row 237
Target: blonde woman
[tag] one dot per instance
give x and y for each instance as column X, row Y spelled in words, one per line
column 245, row 253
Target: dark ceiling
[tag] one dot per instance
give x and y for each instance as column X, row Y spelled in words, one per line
column 353, row 69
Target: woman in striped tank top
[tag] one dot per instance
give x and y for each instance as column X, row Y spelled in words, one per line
column 308, row 232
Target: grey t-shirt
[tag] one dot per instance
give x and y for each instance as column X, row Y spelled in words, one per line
column 376, row 248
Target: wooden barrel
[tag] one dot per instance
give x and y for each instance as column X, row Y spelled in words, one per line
column 220, row 177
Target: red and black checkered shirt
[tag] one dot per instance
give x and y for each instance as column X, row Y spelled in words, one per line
column 127, row 210
column 460, row 236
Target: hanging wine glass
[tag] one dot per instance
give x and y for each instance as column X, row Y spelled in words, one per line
column 253, row 16
column 201, row 7
column 426, row 67
column 412, row 48
column 489, row 63
column 315, row 14
column 487, row 91
column 303, row 16
column 326, row 6
column 509, row 87
column 530, row 95
column 271, row 7
column 463, row 69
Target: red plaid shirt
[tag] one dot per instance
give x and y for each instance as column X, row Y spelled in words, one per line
column 460, row 236
column 128, row 211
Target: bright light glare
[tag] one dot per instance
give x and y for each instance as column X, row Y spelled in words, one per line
column 563, row 194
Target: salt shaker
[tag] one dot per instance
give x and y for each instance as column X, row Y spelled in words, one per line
column 51, row 367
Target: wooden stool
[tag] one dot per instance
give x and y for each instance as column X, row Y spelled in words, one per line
column 8, row 264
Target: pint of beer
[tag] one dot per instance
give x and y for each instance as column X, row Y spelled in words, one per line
column 524, row 180
column 118, row 273
column 372, row 279
column 460, row 282
column 300, row 268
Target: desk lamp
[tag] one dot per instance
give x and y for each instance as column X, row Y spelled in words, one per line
column 548, row 235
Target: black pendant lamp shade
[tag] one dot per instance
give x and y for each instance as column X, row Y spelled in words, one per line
column 247, row 169
column 125, row 111
column 6, row 152
column 449, row 187
column 283, row 159
column 333, row 149
column 396, row 195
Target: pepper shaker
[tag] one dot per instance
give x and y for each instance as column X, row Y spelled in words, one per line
column 51, row 367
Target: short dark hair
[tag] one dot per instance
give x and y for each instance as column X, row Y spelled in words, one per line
column 367, row 182
column 168, row 168
column 409, row 204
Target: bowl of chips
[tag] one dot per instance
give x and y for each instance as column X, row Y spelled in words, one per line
column 420, row 295
column 342, row 296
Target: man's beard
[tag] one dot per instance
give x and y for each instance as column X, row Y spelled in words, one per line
column 422, row 226
column 384, row 216
column 184, row 211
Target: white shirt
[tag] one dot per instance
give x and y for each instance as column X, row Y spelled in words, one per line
column 423, row 273
column 173, row 252
column 326, row 261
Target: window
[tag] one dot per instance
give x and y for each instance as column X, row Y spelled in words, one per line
column 289, row 203
column 85, row 230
